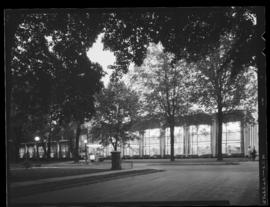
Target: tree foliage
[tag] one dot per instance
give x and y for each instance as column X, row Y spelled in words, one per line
column 51, row 76
column 186, row 32
column 45, row 51
column 166, row 88
column 219, row 89
column 117, row 111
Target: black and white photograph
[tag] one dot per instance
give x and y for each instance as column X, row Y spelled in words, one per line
column 143, row 106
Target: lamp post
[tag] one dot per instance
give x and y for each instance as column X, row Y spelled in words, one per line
column 85, row 142
column 37, row 138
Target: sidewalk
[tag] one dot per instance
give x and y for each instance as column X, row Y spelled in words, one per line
column 49, row 180
column 20, row 189
column 238, row 184
column 137, row 164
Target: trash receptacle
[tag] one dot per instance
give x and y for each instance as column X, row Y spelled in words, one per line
column 116, row 160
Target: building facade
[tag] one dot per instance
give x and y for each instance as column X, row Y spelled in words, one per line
column 194, row 137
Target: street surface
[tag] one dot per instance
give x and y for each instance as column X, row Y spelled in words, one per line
column 237, row 183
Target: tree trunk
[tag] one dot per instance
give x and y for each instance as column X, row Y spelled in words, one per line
column 49, row 146
column 70, row 147
column 219, row 133
column 172, row 141
column 44, row 149
column 114, row 145
column 16, row 142
column 76, row 151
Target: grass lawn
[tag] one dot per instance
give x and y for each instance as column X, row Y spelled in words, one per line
column 17, row 175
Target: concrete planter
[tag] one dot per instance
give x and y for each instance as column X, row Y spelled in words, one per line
column 116, row 160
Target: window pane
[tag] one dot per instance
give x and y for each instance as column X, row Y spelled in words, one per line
column 154, row 150
column 21, row 152
column 168, row 149
column 233, row 126
column 204, row 138
column 178, row 131
column 31, row 151
column 178, row 149
column 194, row 148
column 234, row 136
column 204, row 148
column 41, row 151
column 193, row 129
column 146, row 150
column 224, row 127
column 234, row 147
column 204, row 129
column 154, row 132
column 224, row 138
column 224, row 148
column 153, row 140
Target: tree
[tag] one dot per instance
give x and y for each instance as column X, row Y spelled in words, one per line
column 84, row 80
column 50, row 66
column 166, row 88
column 190, row 33
column 117, row 111
column 220, row 90
column 186, row 32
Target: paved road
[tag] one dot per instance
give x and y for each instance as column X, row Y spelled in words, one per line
column 237, row 183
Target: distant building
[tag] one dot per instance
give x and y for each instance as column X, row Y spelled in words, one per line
column 195, row 136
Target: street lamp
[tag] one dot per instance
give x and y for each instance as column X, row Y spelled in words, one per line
column 85, row 142
column 37, row 138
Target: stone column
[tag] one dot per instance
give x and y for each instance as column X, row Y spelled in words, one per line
column 242, row 130
column 246, row 138
column 186, row 140
column 256, row 137
column 58, row 149
column 162, row 142
column 141, row 144
column 214, row 135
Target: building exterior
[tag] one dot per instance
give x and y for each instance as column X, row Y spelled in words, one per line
column 195, row 136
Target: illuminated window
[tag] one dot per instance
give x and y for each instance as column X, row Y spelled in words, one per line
column 64, row 150
column 132, row 148
column 231, row 137
column 200, row 140
column 152, row 142
column 31, row 151
column 41, row 152
column 21, row 152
